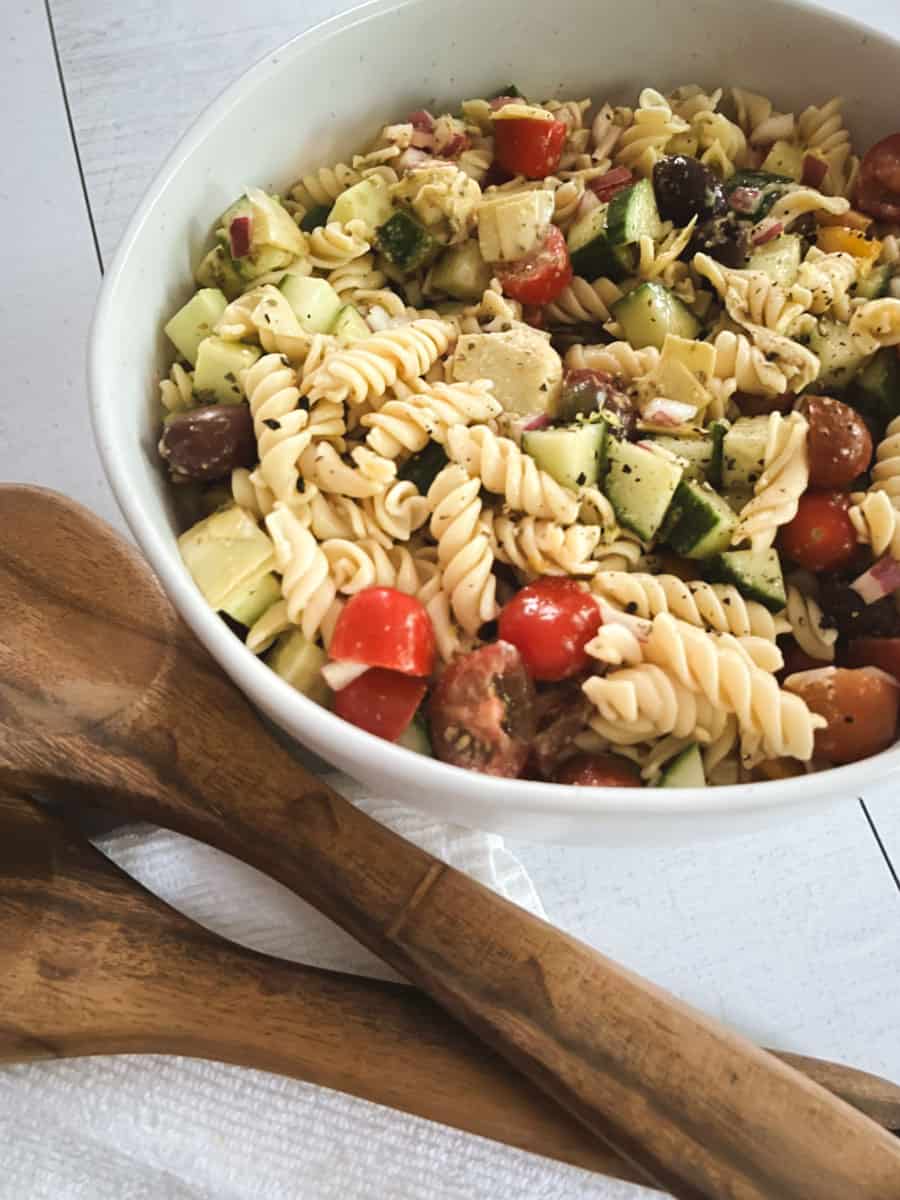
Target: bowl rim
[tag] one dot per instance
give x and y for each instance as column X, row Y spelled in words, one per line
column 292, row 707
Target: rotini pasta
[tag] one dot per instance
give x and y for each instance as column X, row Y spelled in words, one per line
column 544, row 547
column 335, row 245
column 644, row 142
column 464, row 550
column 784, row 478
column 177, row 392
column 306, row 582
column 407, row 425
column 806, row 621
column 877, row 322
column 582, row 302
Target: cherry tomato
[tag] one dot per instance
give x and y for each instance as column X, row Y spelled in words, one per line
column 821, row 536
column 382, row 627
column 381, row 702
column 482, row 713
column 860, row 707
column 878, row 190
column 839, row 442
column 529, row 146
column 551, row 621
column 599, row 770
column 542, row 275
column 883, row 652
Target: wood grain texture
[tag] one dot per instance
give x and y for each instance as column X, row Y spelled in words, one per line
column 94, row 664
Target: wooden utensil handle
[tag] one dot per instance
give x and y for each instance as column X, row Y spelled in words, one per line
column 137, row 708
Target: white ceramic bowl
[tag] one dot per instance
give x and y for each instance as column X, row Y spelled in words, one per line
column 325, row 94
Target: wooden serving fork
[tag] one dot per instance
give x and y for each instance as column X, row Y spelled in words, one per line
column 102, row 688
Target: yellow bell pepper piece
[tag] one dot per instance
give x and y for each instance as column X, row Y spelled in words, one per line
column 834, row 238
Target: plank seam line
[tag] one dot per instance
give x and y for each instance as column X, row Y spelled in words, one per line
column 881, row 846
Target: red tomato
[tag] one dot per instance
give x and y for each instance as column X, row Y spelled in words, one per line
column 821, row 536
column 551, row 621
column 599, row 770
column 382, row 627
column 542, row 275
column 878, row 190
column 529, row 146
column 860, row 707
column 381, row 702
column 883, row 652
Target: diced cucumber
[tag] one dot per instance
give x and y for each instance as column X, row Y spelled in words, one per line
column 839, row 354
column 744, row 453
column 769, row 186
column 717, row 431
column 224, row 552
column 218, row 370
column 651, row 312
column 640, row 486
column 755, row 573
column 415, row 737
column 300, row 662
column 315, row 218
column 591, row 251
column 461, row 272
column 684, row 770
column 349, row 325
column 877, row 283
column 368, row 201
column 779, row 259
column 785, row 159
column 699, row 523
column 315, row 302
column 423, row 468
column 573, row 456
column 195, row 321
column 217, row 270
column 697, row 452
column 405, row 242
column 633, row 214
column 877, row 386
column 248, row 603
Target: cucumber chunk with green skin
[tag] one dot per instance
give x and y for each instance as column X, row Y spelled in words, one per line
column 717, row 431
column 640, row 486
column 315, row 218
column 651, row 312
column 633, row 214
column 461, row 272
column 349, row 325
column 248, row 603
column 415, row 737
column 755, row 573
column 224, row 553
column 314, row 301
column 423, row 468
column 300, row 663
column 368, row 201
column 699, row 523
column 697, row 452
column 196, row 321
column 218, row 370
column 591, row 251
column 684, row 770
column 406, row 243
column 876, row 390
column 779, row 259
column 840, row 358
column 877, row 283
column 573, row 456
column 744, row 453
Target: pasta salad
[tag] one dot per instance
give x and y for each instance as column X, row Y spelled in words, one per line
column 562, row 441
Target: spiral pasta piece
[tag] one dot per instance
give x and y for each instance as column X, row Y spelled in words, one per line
column 544, row 547
column 398, row 511
column 797, row 201
column 407, row 425
column 507, row 471
column 828, row 278
column 581, row 301
column 335, row 245
column 306, row 582
column 718, row 607
column 330, row 515
column 616, row 645
column 745, row 368
column 362, row 373
column 369, row 474
column 886, row 470
column 643, row 143
column 807, row 625
column 752, row 297
column 359, row 274
column 783, row 481
column 618, row 358
column 176, row 393
column 878, row 321
column 822, row 130
column 759, row 121
column 638, row 703
column 251, row 493
column 622, row 553
column 355, row 566
column 281, row 427
column 877, row 523
column 464, row 550
column 324, row 185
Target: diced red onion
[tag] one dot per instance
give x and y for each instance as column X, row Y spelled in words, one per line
column 668, row 412
column 605, row 186
column 422, row 139
column 745, row 199
column 537, row 421
column 879, row 581
column 339, row 675
column 421, row 120
column 814, row 170
column 588, row 201
column 410, row 158
column 455, row 145
column 239, row 236
column 767, row 231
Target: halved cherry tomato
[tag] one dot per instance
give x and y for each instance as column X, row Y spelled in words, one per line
column 542, row 275
column 878, row 190
column 839, row 442
column 821, row 536
column 551, row 621
column 860, row 707
column 529, row 146
column 381, row 702
column 383, row 627
column 599, row 770
column 883, row 652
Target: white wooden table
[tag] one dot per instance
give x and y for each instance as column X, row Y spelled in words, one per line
column 794, row 935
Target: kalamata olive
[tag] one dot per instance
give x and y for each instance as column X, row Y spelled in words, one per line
column 685, row 188
column 599, row 770
column 846, row 611
column 206, row 443
column 726, row 239
column 839, row 442
column 761, row 406
column 585, row 392
column 859, row 705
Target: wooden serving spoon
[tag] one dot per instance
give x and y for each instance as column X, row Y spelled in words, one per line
column 92, row 963
column 102, row 687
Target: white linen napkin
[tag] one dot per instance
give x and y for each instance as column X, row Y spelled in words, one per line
column 148, row 1128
